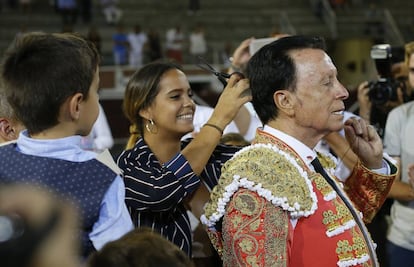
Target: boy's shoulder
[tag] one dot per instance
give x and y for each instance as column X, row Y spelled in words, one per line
column 104, row 159
column 7, row 143
column 54, row 172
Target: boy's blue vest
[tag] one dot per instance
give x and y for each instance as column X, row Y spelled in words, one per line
column 82, row 183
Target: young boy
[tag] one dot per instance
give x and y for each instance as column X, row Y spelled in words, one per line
column 51, row 82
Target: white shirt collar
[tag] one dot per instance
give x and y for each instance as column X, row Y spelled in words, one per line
column 305, row 153
column 67, row 148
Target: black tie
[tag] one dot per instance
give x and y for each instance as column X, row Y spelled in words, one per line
column 318, row 168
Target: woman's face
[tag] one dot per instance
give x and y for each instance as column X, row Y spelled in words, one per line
column 173, row 108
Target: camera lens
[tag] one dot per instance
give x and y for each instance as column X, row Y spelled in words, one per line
column 380, row 92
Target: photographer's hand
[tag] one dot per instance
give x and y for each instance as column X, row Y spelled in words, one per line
column 364, row 102
column 240, row 56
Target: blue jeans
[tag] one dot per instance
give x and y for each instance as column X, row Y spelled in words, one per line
column 398, row 256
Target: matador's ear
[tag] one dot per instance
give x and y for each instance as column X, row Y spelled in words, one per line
column 284, row 101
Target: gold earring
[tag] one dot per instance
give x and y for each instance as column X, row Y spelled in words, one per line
column 151, row 127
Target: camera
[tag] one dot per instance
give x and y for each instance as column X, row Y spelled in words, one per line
column 383, row 93
column 256, row 44
column 386, row 87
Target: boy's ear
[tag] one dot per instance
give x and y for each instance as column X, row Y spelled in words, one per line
column 7, row 132
column 75, row 108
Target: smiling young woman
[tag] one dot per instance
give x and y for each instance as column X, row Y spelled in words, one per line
column 161, row 172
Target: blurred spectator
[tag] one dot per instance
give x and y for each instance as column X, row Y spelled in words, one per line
column 374, row 22
column 174, row 44
column 338, row 4
column 68, row 10
column 240, row 56
column 154, row 45
column 94, row 36
column 41, row 228
column 121, row 46
column 100, row 137
column 193, row 7
column 198, row 44
column 226, row 54
column 86, row 11
column 137, row 40
column 140, row 248
column 398, row 143
column 376, row 114
column 111, row 11
column 25, row 6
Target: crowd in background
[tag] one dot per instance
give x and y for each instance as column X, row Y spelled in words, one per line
column 98, row 18
column 131, row 44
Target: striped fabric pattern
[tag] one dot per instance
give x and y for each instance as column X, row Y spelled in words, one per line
column 155, row 193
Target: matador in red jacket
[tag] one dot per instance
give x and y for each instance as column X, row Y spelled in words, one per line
column 278, row 202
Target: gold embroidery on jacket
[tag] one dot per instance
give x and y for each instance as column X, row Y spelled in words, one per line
column 238, row 226
column 321, row 184
column 347, row 251
column 337, row 218
column 269, row 169
column 259, row 229
column 276, row 221
column 326, row 161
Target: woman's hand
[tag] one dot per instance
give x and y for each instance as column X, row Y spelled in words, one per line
column 233, row 97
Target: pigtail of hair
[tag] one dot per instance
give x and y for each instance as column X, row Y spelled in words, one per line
column 133, row 137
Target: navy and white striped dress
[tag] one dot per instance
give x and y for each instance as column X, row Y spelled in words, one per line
column 155, row 193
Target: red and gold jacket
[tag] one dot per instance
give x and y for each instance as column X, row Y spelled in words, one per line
column 270, row 209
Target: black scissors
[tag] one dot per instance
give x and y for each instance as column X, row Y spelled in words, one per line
column 220, row 75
